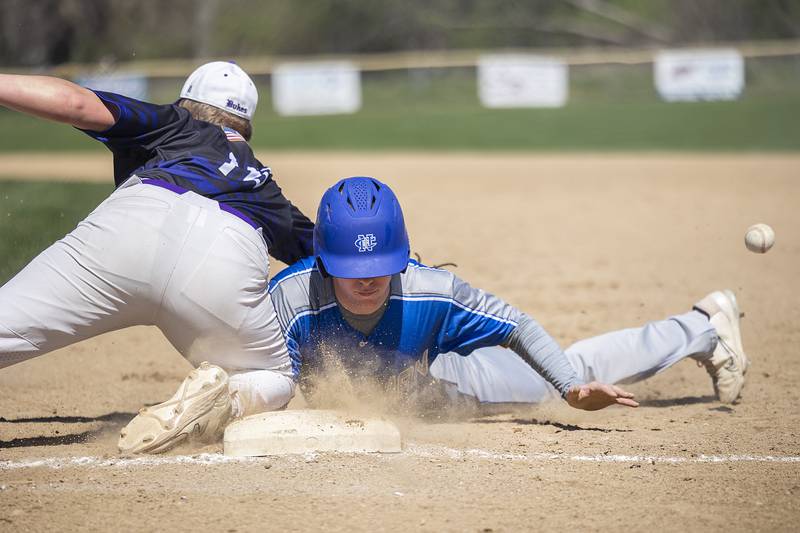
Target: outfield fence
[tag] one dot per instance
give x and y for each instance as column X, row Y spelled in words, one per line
column 594, row 73
column 432, row 100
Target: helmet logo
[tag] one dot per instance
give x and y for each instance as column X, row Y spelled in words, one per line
column 365, row 243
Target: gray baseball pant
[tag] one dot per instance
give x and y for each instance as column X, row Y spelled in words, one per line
column 498, row 375
column 151, row 256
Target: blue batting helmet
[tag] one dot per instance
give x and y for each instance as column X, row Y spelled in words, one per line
column 360, row 231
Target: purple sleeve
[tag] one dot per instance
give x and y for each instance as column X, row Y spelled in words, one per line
column 139, row 124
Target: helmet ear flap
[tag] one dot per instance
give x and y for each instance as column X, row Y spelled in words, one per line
column 321, row 267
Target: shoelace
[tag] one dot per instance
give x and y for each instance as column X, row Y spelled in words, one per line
column 730, row 363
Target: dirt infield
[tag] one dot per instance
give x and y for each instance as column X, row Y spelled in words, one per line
column 584, row 243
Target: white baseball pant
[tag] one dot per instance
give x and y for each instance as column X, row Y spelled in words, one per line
column 499, row 375
column 151, row 256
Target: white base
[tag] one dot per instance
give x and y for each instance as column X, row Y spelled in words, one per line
column 306, row 430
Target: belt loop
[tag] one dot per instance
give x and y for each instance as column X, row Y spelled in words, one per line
column 130, row 182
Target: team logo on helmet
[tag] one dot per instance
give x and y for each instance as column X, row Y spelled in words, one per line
column 365, row 243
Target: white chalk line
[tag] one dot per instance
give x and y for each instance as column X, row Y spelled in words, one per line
column 124, row 462
column 413, row 450
column 454, row 453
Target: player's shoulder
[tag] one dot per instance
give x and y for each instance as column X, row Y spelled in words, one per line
column 236, row 144
column 302, row 285
column 234, row 136
column 299, row 272
column 422, row 280
column 135, row 117
column 426, row 282
column 299, row 291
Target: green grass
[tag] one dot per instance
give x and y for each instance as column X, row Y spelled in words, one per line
column 33, row 215
column 746, row 125
column 610, row 108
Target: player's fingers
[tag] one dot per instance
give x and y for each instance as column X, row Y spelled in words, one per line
column 609, row 390
column 596, row 386
column 627, row 402
column 622, row 393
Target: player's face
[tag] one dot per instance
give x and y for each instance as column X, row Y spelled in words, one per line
column 362, row 296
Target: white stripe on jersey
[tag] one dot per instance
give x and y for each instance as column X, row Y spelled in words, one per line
column 454, row 302
column 290, row 276
column 309, row 312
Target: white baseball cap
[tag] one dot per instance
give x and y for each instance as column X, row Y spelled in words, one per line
column 224, row 85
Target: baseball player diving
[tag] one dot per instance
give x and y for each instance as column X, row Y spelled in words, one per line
column 382, row 313
column 362, row 301
column 182, row 244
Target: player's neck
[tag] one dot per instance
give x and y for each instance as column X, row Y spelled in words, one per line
column 363, row 323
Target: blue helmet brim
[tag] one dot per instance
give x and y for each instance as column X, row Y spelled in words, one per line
column 360, row 267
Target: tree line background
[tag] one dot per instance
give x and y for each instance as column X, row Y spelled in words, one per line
column 40, row 33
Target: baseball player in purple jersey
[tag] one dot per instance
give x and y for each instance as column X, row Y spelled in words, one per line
column 181, row 244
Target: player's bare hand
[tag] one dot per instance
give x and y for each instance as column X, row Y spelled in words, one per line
column 595, row 395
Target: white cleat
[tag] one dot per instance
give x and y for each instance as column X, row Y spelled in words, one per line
column 200, row 409
column 728, row 364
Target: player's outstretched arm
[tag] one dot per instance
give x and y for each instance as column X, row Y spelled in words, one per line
column 55, row 99
column 531, row 342
column 593, row 396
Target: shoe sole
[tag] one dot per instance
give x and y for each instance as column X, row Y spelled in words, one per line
column 191, row 427
column 185, row 423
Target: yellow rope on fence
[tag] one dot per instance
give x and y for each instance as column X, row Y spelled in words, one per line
column 258, row 65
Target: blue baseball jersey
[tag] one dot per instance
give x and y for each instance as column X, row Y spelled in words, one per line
column 429, row 312
column 164, row 142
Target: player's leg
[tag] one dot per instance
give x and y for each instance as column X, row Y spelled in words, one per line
column 625, row 356
column 233, row 323
column 500, row 375
column 216, row 309
column 634, row 354
column 96, row 279
column 709, row 334
column 494, row 375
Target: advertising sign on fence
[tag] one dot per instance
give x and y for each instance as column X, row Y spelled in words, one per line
column 691, row 75
column 521, row 80
column 320, row 88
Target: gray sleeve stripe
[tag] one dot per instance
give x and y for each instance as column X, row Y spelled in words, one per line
column 293, row 275
column 472, row 298
column 457, row 304
column 298, row 316
column 298, row 293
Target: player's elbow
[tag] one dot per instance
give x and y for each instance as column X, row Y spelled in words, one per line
column 84, row 110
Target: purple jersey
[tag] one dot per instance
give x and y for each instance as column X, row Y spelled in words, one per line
column 164, row 142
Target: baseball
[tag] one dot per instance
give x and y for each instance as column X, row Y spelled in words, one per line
column 759, row 238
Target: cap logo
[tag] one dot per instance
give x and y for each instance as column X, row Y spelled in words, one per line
column 235, row 106
column 365, row 243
